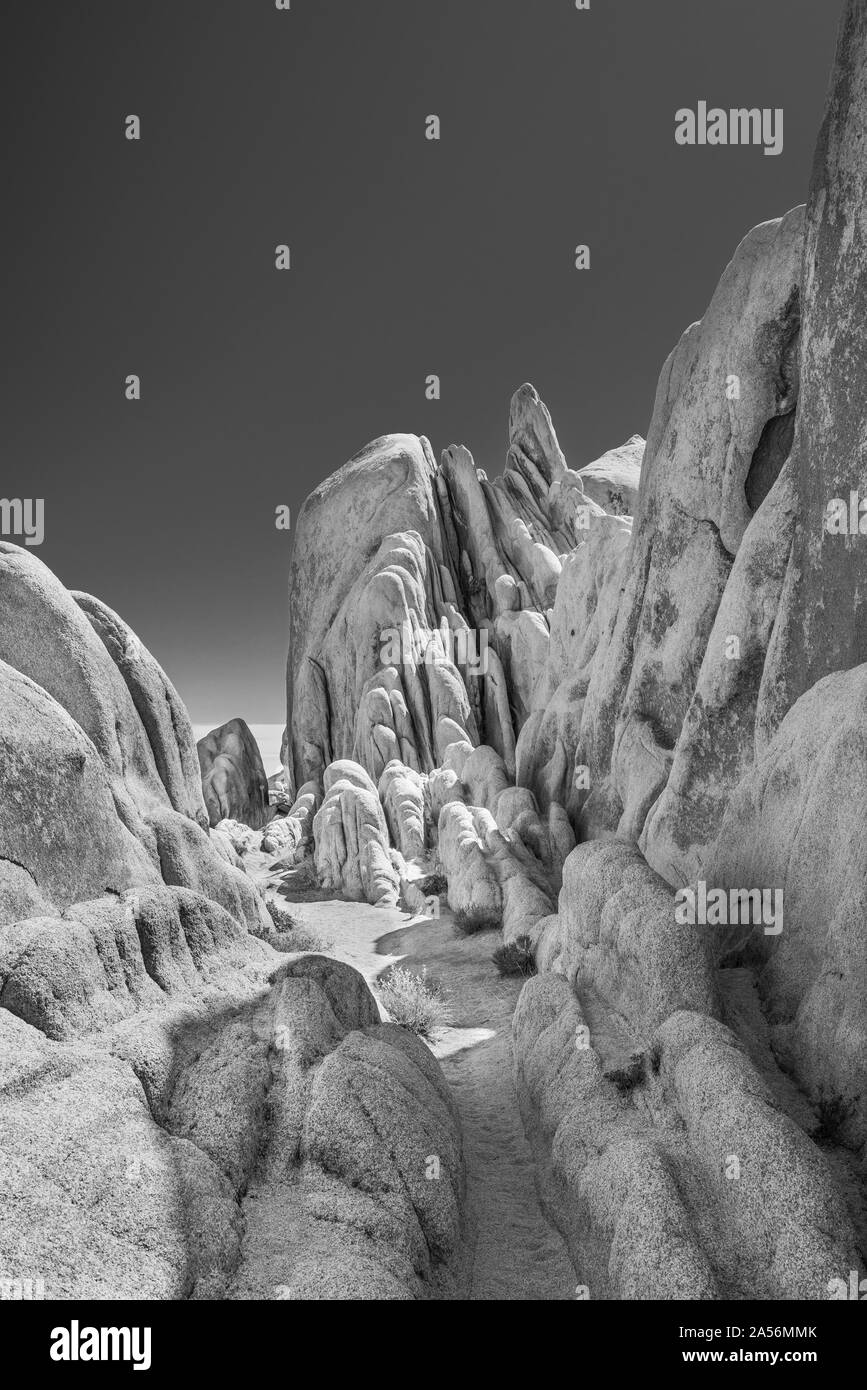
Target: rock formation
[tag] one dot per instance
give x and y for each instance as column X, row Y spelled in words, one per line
column 626, row 654
column 185, row 1111
column 574, row 703
column 232, row 775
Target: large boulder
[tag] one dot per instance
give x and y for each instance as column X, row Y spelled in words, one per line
column 385, row 490
column 797, row 825
column 179, row 1118
column 95, row 797
column 585, row 611
column 612, row 480
column 46, row 636
column 233, row 777
column 350, row 833
column 61, row 839
column 665, row 1155
column 716, row 747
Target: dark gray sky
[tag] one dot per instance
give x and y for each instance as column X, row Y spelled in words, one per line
column 409, row 257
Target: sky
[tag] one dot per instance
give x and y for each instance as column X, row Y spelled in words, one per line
column 306, row 127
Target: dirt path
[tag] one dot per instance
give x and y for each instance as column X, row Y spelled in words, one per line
column 517, row 1254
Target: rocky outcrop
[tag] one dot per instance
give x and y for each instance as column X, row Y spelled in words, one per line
column 680, row 1177
column 618, row 943
column 433, row 630
column 384, row 492
column 730, row 376
column 185, row 1112
column 642, row 637
column 351, row 839
column 612, row 480
column 46, row 636
column 84, row 810
column 796, row 826
column 548, row 750
column 215, row 1136
column 716, row 747
column 233, row 777
column 702, row 756
column 821, row 625
column 582, row 695
column 159, row 707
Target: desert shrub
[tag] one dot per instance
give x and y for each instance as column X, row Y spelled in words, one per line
column 433, row 885
column 305, row 876
column 292, row 936
column 414, row 1001
column 301, row 939
column 282, row 919
column 628, row 1074
column 516, row 958
column 834, row 1113
column 475, row 920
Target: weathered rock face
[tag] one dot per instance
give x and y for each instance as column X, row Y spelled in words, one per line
column 617, row 939
column 215, row 1138
column 85, row 808
column 797, row 825
column 608, row 686
column 662, row 654
column 612, row 480
column 232, row 775
column 730, row 376
column 584, row 614
column 636, row 1160
column 184, row 1113
column 159, row 707
column 673, row 1152
column 822, row 625
column 383, row 492
column 717, row 743
column 432, row 627
column 351, row 838
column 60, row 835
column 45, row 635
column 701, row 751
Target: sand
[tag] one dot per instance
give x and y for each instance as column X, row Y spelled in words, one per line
column 515, row 1252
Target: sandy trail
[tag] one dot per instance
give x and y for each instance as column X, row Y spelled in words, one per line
column 516, row 1253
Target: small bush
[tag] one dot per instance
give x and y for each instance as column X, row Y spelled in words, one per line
column 303, row 940
column 292, row 936
column 433, row 885
column 414, row 1001
column 834, row 1114
column 283, row 920
column 305, row 875
column 516, row 958
column 476, row 920
column 628, row 1074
